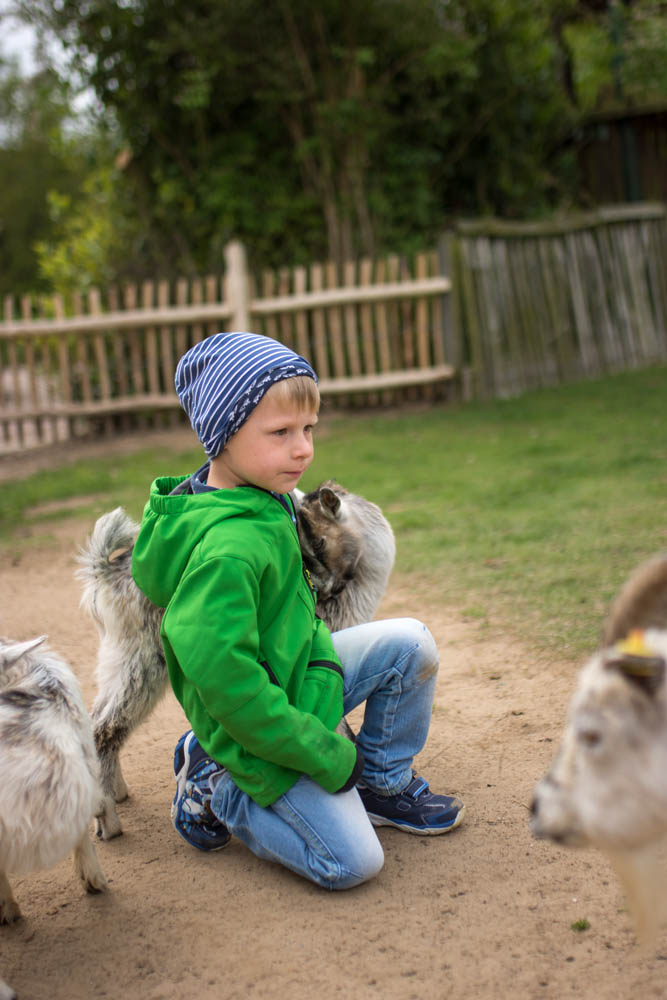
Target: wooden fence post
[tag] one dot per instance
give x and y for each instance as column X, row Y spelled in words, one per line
column 452, row 332
column 237, row 286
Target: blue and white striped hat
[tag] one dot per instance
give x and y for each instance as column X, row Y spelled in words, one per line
column 221, row 380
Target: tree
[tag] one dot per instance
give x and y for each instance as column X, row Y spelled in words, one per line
column 89, row 240
column 611, row 51
column 35, row 157
column 328, row 129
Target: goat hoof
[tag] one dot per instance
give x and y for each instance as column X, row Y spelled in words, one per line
column 6, row 992
column 10, row 912
column 106, row 828
column 95, row 884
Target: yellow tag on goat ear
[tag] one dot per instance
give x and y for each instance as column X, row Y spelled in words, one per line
column 637, row 662
column 634, row 644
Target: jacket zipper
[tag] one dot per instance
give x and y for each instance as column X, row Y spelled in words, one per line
column 272, row 676
column 288, row 507
column 329, row 664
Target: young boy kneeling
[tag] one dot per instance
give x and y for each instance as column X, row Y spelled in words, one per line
column 261, row 680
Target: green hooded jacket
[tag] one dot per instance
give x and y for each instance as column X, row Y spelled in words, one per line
column 253, row 667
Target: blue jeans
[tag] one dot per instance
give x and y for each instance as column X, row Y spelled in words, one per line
column 391, row 665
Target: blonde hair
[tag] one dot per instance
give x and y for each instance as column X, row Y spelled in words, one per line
column 299, row 391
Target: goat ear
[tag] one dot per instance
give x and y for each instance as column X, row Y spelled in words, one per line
column 329, row 500
column 118, row 553
column 641, row 603
column 645, row 670
column 16, row 650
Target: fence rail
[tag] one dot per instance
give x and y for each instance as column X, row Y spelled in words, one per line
column 495, row 309
column 374, row 333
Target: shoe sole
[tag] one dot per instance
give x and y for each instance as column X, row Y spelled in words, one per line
column 198, row 847
column 419, row 831
column 181, row 779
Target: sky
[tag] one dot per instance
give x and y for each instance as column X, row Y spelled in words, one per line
column 16, row 39
column 19, row 39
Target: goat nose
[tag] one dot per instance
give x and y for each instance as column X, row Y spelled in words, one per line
column 534, row 807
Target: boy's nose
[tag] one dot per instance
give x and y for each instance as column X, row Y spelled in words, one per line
column 302, row 445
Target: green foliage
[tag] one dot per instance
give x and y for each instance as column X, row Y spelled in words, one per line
column 527, row 513
column 311, row 131
column 86, row 246
column 592, row 52
column 581, row 925
column 36, row 156
column 641, row 43
column 619, row 57
column 321, row 130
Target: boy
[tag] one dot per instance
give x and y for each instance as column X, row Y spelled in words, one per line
column 261, row 680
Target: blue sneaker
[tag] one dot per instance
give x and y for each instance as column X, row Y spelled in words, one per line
column 416, row 809
column 191, row 810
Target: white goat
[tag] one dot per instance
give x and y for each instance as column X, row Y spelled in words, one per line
column 607, row 787
column 49, row 772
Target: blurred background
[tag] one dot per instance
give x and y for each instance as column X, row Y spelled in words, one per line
column 137, row 137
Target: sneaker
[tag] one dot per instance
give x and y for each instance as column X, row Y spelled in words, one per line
column 416, row 809
column 191, row 809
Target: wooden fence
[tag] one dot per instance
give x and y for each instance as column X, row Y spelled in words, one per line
column 494, row 310
column 540, row 304
column 374, row 334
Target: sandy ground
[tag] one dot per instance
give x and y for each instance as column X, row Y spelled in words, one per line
column 485, row 912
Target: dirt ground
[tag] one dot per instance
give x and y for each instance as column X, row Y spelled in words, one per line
column 485, row 912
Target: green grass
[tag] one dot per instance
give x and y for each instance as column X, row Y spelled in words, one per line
column 525, row 513
column 85, row 489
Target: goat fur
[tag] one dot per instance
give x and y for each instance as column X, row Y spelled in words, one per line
column 606, row 787
column 49, row 772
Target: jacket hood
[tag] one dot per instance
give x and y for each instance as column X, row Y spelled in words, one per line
column 173, row 525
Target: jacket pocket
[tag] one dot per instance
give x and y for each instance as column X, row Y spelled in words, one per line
column 272, row 676
column 322, row 692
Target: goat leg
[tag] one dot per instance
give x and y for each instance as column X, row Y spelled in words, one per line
column 109, row 738
column 6, row 992
column 10, row 910
column 87, row 865
column 128, row 693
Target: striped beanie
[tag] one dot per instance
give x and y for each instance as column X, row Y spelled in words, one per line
column 221, row 380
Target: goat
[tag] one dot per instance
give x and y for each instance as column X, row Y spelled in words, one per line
column 49, row 772
column 348, row 548
column 606, row 787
